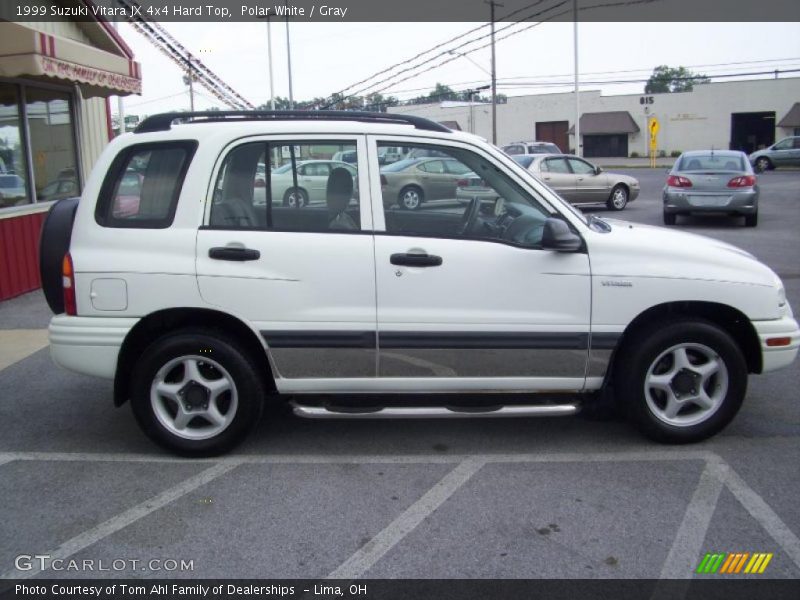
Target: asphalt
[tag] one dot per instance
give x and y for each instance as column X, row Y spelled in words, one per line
column 525, row 498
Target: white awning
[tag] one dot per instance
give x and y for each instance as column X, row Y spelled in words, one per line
column 25, row 52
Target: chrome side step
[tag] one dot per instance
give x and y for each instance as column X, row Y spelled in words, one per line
column 435, row 412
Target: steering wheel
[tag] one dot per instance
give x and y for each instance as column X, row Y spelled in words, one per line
column 470, row 216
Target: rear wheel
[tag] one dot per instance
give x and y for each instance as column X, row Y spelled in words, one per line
column 196, row 393
column 751, row 220
column 763, row 164
column 411, row 197
column 681, row 381
column 670, row 218
column 618, row 198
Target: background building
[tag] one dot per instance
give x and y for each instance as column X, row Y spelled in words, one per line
column 742, row 115
column 55, row 80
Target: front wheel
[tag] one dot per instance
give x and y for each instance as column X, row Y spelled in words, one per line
column 295, row 198
column 196, row 393
column 618, row 198
column 681, row 381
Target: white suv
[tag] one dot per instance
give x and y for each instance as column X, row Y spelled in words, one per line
column 205, row 297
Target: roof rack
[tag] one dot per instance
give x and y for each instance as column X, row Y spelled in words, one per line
column 163, row 121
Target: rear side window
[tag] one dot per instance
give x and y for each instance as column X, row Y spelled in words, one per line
column 142, row 186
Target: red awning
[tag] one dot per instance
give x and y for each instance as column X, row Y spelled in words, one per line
column 25, row 52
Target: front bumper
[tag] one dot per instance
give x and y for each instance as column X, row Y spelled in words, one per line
column 777, row 357
column 88, row 345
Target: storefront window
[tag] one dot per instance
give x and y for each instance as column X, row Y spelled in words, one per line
column 52, row 144
column 13, row 172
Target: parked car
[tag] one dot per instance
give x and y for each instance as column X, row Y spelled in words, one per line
column 580, row 182
column 711, row 181
column 534, row 147
column 60, row 188
column 204, row 308
column 785, row 153
column 312, row 181
column 12, row 190
column 411, row 182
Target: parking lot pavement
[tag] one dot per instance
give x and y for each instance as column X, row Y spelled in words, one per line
column 521, row 498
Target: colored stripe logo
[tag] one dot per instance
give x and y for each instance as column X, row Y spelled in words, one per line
column 734, row 563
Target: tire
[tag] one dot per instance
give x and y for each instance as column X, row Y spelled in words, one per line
column 295, row 198
column 651, row 385
column 410, row 197
column 670, row 218
column 763, row 164
column 618, row 199
column 751, row 220
column 166, row 367
column 53, row 245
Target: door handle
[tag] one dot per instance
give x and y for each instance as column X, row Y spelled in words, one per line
column 233, row 253
column 415, row 260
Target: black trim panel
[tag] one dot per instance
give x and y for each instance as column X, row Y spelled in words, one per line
column 443, row 340
column 605, row 341
column 319, row 339
column 484, row 340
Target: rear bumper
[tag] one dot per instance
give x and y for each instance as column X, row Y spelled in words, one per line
column 777, row 357
column 678, row 200
column 88, row 345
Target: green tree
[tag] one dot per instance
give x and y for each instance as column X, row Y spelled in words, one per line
column 673, row 79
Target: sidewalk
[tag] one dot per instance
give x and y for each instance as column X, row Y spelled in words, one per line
column 621, row 162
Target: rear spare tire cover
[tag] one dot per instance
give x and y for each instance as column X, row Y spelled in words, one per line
column 53, row 245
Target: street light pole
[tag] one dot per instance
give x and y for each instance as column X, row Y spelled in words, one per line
column 269, row 60
column 191, row 87
column 578, row 149
column 289, row 61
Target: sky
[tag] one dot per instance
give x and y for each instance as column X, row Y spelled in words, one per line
column 327, row 57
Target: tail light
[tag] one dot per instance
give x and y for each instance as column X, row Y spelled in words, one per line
column 259, row 183
column 462, row 183
column 678, row 181
column 384, row 181
column 68, row 283
column 742, row 181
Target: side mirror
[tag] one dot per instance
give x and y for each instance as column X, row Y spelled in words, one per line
column 598, row 170
column 558, row 236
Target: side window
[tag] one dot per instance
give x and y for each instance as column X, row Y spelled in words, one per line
column 580, row 167
column 287, row 187
column 481, row 203
column 143, row 185
column 455, row 167
column 556, row 165
column 432, row 166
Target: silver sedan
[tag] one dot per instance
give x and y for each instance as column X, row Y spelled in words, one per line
column 712, row 181
column 580, row 182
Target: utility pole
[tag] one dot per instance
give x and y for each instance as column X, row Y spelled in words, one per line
column 578, row 149
column 191, row 87
column 289, row 60
column 492, row 4
column 121, row 108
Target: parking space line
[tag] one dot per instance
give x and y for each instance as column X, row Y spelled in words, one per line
column 16, row 344
column 122, row 520
column 692, row 532
column 766, row 517
column 624, row 456
column 371, row 552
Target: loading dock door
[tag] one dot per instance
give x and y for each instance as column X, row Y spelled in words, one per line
column 752, row 131
column 605, row 145
column 555, row 132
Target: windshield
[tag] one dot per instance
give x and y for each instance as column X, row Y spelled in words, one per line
column 283, row 169
column 711, row 162
column 10, row 181
column 544, row 149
